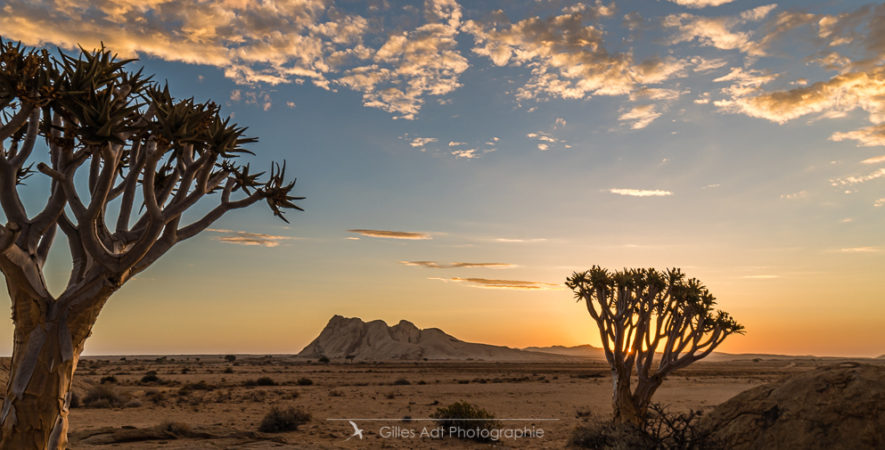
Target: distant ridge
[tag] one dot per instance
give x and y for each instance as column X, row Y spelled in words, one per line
column 582, row 351
column 352, row 338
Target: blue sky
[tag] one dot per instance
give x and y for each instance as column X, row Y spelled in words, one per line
column 520, row 141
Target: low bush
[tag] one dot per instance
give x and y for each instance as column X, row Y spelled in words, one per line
column 108, row 379
column 662, row 430
column 304, row 381
column 401, row 382
column 279, row 420
column 102, row 397
column 465, row 421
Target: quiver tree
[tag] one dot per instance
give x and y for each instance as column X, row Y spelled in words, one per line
column 124, row 162
column 652, row 323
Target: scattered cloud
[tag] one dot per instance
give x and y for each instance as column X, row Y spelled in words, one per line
column 567, row 56
column 421, row 141
column 640, row 192
column 874, row 160
column 544, row 140
column 794, row 195
column 458, row 265
column 879, row 202
column 391, row 234
column 520, row 240
column 850, row 180
column 872, row 136
column 465, row 154
column 700, row 3
column 724, row 33
column 456, row 144
column 859, row 250
column 486, row 283
column 640, row 116
column 248, row 238
column 266, row 42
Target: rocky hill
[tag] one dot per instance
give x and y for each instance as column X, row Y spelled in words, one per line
column 351, row 338
column 840, row 406
column 581, row 351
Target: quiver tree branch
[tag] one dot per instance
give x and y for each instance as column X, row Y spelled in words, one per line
column 644, row 316
column 111, row 135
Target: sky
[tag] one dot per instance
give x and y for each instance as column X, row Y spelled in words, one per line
column 461, row 159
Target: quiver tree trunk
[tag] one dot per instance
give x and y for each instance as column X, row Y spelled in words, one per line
column 624, row 407
column 47, row 347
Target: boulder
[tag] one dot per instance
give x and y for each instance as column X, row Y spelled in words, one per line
column 840, row 406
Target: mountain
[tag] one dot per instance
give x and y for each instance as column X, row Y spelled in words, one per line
column 581, row 351
column 352, row 338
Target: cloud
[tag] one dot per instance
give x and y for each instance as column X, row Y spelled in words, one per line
column 641, row 116
column 700, row 3
column 248, row 238
column 458, row 265
column 270, row 42
column 640, row 192
column 421, row 141
column 456, row 143
column 879, row 202
column 520, row 240
column 413, row 64
column 391, row 234
column 842, row 93
column 465, row 154
column 544, row 140
column 567, row 57
column 486, row 283
column 850, row 180
column 859, row 250
column 720, row 32
column 872, row 136
column 794, row 195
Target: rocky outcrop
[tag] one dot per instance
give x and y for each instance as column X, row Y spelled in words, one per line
column 351, row 338
column 835, row 407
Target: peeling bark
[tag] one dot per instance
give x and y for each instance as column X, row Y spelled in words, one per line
column 44, row 359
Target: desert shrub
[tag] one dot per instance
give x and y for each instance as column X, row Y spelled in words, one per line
column 229, row 370
column 198, row 386
column 465, row 421
column 108, row 379
column 185, row 370
column 304, row 381
column 156, row 397
column 324, row 359
column 279, row 420
column 336, row 393
column 102, row 397
column 230, row 358
column 583, row 412
column 150, row 377
column 662, row 431
column 401, row 382
column 262, row 381
column 75, row 400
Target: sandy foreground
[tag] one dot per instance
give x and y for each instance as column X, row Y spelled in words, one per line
column 214, row 401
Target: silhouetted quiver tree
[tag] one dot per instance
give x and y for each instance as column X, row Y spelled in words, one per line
column 652, row 323
column 124, row 161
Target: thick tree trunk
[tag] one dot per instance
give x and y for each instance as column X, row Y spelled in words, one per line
column 624, row 407
column 47, row 348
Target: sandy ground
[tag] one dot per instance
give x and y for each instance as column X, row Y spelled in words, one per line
column 212, row 399
column 208, row 402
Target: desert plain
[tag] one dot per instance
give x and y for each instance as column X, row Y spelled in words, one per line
column 216, row 401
